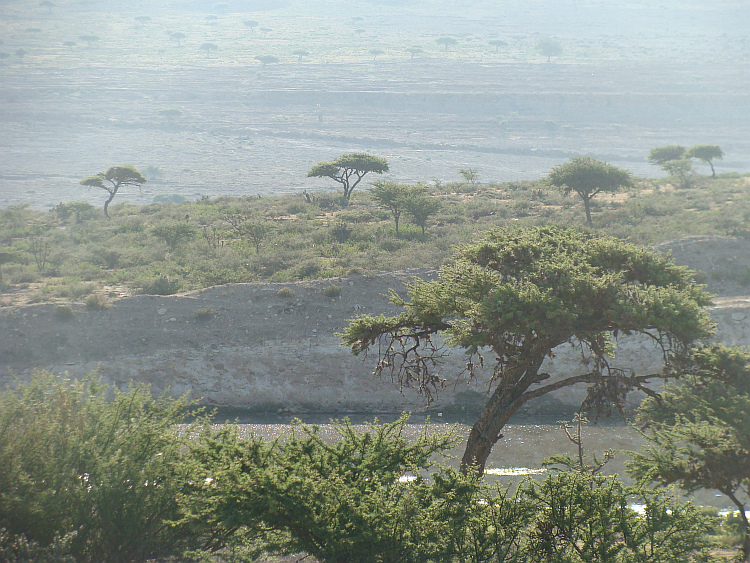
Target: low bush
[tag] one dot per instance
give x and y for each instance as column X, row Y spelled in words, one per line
column 95, row 476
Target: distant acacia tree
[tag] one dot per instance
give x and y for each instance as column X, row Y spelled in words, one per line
column 706, row 153
column 588, row 177
column 143, row 19
column 447, row 42
column 177, row 36
column 113, row 179
column 469, row 174
column 548, row 47
column 497, row 43
column 673, row 159
column 391, row 196
column 349, row 169
column 375, row 53
column 208, row 47
column 421, row 206
column 267, row 59
column 90, row 39
column 70, row 44
column 359, row 31
column 300, row 53
column 47, row 4
column 660, row 155
column 413, row 51
column 171, row 114
column 252, row 24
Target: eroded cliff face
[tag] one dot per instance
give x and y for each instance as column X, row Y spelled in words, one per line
column 249, row 346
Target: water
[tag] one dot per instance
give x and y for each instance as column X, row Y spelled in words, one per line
column 517, row 456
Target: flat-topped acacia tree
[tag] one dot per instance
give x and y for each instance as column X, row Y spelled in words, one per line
column 588, row 177
column 113, row 179
column 349, row 169
column 517, row 295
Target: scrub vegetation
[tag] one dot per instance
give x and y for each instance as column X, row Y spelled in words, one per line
column 73, row 251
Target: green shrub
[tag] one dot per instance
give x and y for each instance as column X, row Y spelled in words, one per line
column 203, row 313
column 98, row 301
column 286, row 292
column 162, row 285
column 64, row 312
column 332, row 291
column 104, row 470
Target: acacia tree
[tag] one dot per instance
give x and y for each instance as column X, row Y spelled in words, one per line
column 675, row 161
column 390, row 195
column 588, row 177
column 517, row 295
column 447, row 42
column 548, row 47
column 698, row 431
column 413, row 51
column 349, row 169
column 497, row 43
column 113, row 179
column 421, row 206
column 706, row 153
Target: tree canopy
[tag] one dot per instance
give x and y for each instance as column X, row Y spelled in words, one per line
column 349, row 169
column 698, row 431
column 660, row 155
column 518, row 294
column 706, row 153
column 113, row 179
column 548, row 47
column 588, row 177
column 675, row 161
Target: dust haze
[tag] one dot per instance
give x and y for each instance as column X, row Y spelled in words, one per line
column 190, row 91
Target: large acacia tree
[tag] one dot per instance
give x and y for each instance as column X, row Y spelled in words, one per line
column 588, row 177
column 349, row 169
column 113, row 179
column 509, row 300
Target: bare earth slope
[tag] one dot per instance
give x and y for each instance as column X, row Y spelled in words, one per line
column 246, row 346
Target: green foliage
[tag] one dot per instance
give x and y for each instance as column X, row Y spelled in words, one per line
column 421, row 206
column 98, row 473
column 64, row 312
column 266, row 242
column 98, row 301
column 286, row 292
column 588, row 177
column 698, row 431
column 706, row 153
column 161, row 285
column 587, row 518
column 470, row 175
column 113, row 179
column 660, row 155
column 340, row 501
column 548, row 47
column 174, row 233
column 349, row 169
column 332, row 291
column 517, row 295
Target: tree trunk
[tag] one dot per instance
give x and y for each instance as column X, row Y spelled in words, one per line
column 587, row 207
column 713, row 172
column 106, row 203
column 507, row 398
column 745, row 525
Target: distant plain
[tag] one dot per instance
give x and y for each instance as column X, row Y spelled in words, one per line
column 631, row 76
